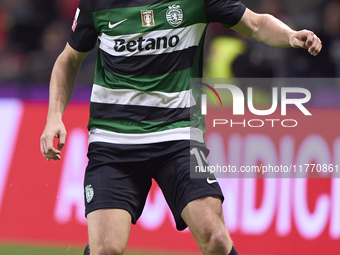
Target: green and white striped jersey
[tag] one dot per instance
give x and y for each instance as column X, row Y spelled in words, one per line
column 148, row 51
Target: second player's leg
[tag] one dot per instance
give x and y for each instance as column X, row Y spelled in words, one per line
column 109, row 231
column 204, row 218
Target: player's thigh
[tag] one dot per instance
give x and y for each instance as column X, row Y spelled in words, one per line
column 204, row 217
column 175, row 180
column 108, row 230
column 116, row 180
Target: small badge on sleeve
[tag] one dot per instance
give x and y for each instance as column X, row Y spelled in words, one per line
column 89, row 193
column 74, row 25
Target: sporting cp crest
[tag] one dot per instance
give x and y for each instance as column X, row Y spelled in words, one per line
column 174, row 15
column 89, row 193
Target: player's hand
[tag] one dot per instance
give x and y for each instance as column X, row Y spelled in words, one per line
column 54, row 129
column 307, row 40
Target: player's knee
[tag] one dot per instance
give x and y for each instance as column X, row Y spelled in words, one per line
column 219, row 241
column 215, row 241
column 107, row 250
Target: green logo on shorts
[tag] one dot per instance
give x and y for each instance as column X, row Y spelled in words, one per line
column 89, row 193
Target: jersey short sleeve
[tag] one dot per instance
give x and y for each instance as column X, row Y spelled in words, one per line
column 226, row 12
column 83, row 35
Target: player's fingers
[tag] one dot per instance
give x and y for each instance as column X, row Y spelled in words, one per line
column 298, row 44
column 61, row 142
column 47, row 148
column 298, row 39
column 316, row 46
column 44, row 143
column 48, row 143
column 53, row 157
column 52, row 154
column 319, row 48
column 309, row 39
column 44, row 151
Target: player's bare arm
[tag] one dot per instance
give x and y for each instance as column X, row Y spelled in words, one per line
column 62, row 84
column 269, row 30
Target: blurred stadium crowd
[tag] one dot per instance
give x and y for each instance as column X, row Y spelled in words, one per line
column 33, row 33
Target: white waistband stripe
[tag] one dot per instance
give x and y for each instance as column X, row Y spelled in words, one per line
column 187, row 133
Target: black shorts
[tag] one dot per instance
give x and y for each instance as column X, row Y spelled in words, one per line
column 119, row 176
